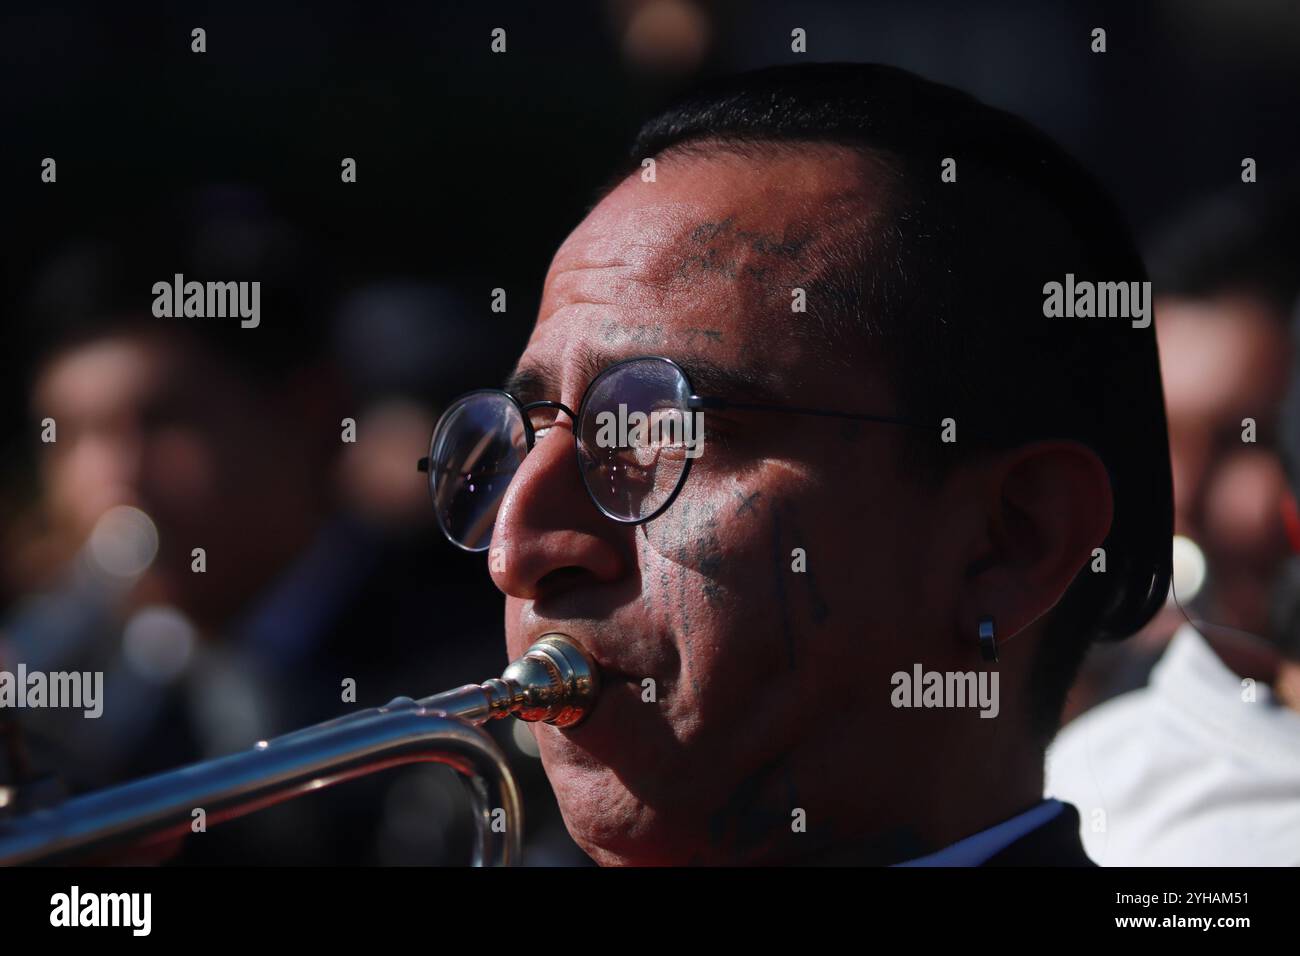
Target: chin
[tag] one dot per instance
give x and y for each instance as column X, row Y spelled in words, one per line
column 610, row 823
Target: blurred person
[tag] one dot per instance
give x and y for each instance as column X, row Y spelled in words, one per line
column 1202, row 766
column 1225, row 277
column 183, row 433
column 776, row 732
column 404, row 345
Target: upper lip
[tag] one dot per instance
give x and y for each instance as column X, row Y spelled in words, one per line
column 608, row 670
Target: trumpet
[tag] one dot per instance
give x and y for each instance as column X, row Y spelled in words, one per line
column 555, row 681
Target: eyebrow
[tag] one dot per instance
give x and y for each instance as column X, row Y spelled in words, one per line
column 533, row 382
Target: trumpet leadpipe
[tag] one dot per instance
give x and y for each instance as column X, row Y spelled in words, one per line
column 554, row 681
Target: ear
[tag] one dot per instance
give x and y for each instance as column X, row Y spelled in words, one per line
column 1046, row 507
column 1291, row 521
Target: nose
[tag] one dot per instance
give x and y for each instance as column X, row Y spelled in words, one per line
column 549, row 538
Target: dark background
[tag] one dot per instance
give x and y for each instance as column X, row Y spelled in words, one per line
column 474, row 166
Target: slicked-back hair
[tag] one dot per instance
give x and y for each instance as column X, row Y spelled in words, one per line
column 946, row 284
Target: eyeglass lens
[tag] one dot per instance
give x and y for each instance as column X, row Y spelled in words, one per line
column 634, row 440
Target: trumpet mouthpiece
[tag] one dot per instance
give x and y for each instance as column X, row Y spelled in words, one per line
column 555, row 681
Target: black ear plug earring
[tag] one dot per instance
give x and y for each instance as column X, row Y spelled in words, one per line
column 988, row 641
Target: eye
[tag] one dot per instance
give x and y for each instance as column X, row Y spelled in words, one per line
column 542, row 420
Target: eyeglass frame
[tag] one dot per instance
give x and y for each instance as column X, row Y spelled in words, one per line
column 694, row 403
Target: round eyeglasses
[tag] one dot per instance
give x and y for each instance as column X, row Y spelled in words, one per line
column 635, row 433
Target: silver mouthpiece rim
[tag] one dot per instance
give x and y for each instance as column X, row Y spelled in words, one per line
column 556, row 681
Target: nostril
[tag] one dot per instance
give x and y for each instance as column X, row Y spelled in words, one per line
column 561, row 578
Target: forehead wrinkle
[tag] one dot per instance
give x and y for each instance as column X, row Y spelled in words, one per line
column 648, row 240
column 618, row 237
column 626, row 256
column 758, row 308
column 630, row 284
column 676, row 249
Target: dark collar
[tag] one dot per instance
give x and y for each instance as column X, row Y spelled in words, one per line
column 1055, row 843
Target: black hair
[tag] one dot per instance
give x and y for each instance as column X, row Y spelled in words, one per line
column 101, row 285
column 949, row 282
column 1245, row 240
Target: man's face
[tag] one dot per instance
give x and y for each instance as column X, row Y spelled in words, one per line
column 153, row 422
column 748, row 657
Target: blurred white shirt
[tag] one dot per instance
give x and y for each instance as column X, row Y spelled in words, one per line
column 1186, row 771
